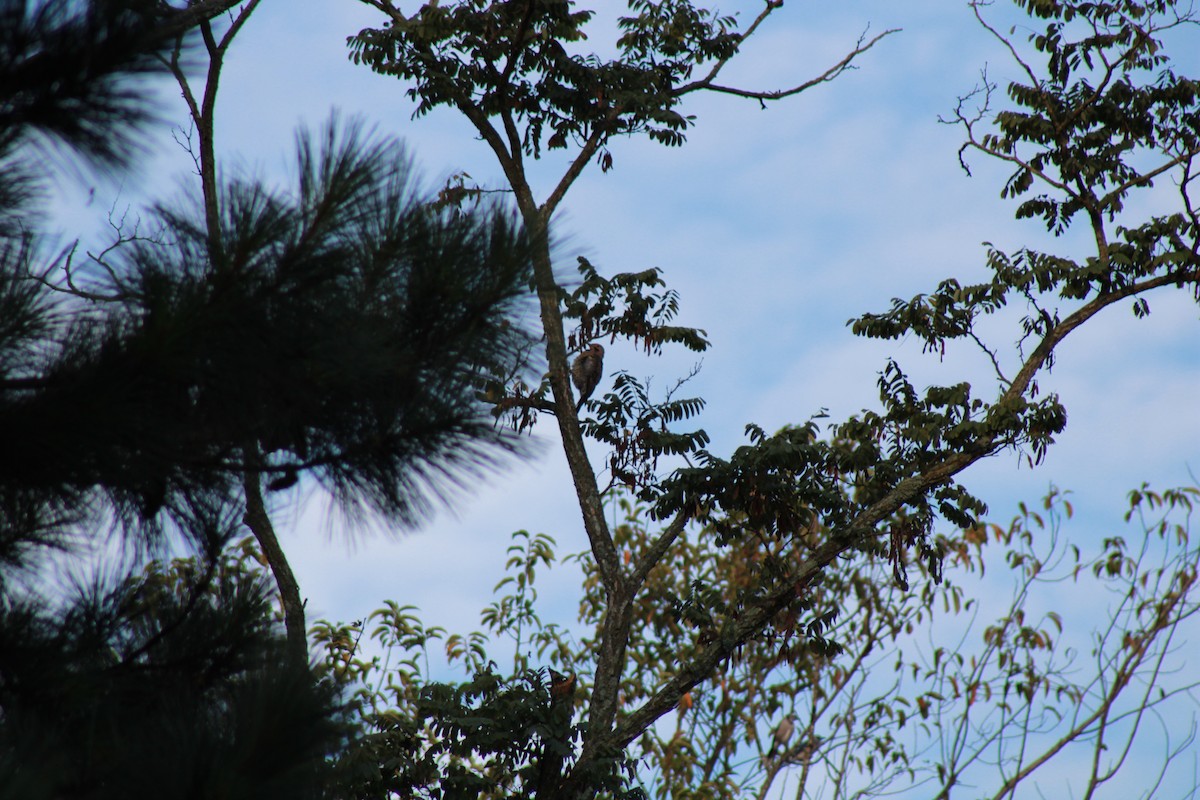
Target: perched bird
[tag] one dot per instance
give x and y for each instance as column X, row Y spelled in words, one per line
column 783, row 733
column 586, row 371
column 561, row 686
column 556, row 741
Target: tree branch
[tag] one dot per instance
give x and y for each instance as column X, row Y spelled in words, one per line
column 650, row 557
column 863, row 527
column 259, row 523
column 777, row 94
column 182, row 20
column 580, row 161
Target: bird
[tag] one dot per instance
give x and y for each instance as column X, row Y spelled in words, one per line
column 556, row 739
column 561, row 686
column 586, row 371
column 783, row 733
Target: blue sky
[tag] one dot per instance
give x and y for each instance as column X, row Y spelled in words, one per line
column 776, row 226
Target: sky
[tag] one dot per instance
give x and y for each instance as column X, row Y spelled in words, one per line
column 776, row 226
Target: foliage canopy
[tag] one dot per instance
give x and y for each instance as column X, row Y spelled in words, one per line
column 351, row 329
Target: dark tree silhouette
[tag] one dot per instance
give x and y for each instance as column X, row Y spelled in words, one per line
column 341, row 329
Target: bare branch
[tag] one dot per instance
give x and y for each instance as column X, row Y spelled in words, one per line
column 991, row 354
column 828, row 75
column 185, row 140
column 180, row 21
column 771, row 6
column 594, row 140
column 651, row 556
column 535, row 403
column 976, row 5
column 387, row 8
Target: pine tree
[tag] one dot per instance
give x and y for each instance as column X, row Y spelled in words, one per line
column 341, row 330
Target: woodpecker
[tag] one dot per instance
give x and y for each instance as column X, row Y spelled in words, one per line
column 586, row 371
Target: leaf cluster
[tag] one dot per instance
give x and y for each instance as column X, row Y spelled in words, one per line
column 1087, row 119
column 638, row 308
column 173, row 681
column 488, row 735
column 342, row 328
column 803, row 663
column 69, row 75
column 634, row 306
column 517, row 59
